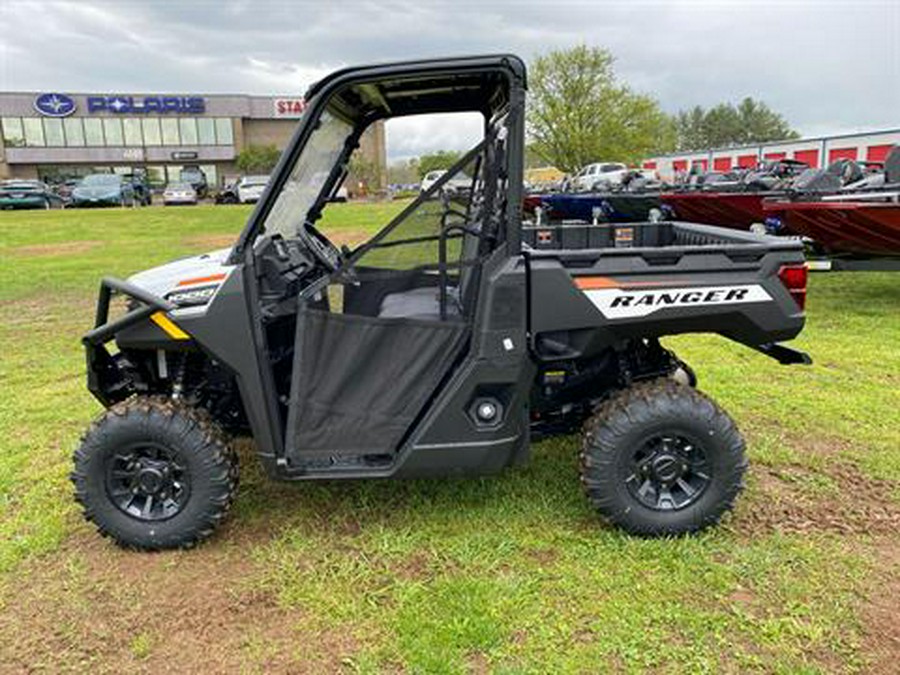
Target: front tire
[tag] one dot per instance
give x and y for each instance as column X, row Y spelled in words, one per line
column 661, row 458
column 153, row 473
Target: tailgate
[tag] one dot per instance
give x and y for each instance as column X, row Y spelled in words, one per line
column 697, row 279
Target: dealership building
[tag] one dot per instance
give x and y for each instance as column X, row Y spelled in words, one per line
column 55, row 135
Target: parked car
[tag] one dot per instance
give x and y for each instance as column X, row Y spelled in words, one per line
column 27, row 194
column 459, row 183
column 64, row 189
column 141, row 186
column 179, row 193
column 598, row 176
column 250, row 188
column 197, row 178
column 227, row 195
column 104, row 189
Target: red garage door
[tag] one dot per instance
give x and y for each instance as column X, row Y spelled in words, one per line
column 775, row 155
column 747, row 161
column 878, row 153
column 722, row 164
column 649, row 165
column 810, row 157
column 841, row 153
column 680, row 165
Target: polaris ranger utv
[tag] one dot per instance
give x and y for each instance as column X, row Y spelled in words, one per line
column 441, row 346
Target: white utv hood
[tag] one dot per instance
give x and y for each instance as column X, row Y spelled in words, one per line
column 200, row 271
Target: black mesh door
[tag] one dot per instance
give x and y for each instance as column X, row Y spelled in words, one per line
column 359, row 382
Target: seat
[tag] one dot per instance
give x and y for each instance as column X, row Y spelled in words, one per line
column 420, row 303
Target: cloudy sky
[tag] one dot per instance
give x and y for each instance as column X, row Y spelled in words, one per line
column 828, row 66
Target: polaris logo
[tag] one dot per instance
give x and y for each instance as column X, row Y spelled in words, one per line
column 621, row 303
column 188, row 105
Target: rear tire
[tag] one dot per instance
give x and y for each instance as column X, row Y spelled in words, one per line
column 152, row 473
column 661, row 458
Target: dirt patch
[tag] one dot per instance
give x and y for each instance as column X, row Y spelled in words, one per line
column 208, row 242
column 95, row 607
column 879, row 616
column 782, row 501
column 349, row 237
column 61, row 248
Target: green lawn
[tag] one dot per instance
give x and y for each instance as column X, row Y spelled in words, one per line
column 512, row 574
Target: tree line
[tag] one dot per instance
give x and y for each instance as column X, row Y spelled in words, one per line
column 579, row 113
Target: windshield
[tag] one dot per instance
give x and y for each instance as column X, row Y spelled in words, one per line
column 101, row 179
column 308, row 176
column 258, row 181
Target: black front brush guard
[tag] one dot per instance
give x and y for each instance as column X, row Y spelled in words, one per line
column 103, row 332
column 106, row 381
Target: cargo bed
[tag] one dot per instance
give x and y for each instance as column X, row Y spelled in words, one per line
column 594, row 285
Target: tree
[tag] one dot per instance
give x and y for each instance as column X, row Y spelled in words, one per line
column 578, row 113
column 364, row 170
column 257, row 158
column 725, row 124
column 440, row 160
column 404, row 172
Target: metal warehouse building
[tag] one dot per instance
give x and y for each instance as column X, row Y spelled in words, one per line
column 871, row 146
column 56, row 135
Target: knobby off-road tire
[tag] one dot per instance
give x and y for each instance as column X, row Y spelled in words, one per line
column 152, row 473
column 660, row 458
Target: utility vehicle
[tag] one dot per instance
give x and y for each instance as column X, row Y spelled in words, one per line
column 441, row 346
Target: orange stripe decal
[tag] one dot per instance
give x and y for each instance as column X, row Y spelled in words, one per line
column 591, row 283
column 587, row 283
column 200, row 280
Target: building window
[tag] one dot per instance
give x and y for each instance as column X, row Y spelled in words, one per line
column 188, row 128
column 112, row 129
column 93, row 132
column 224, row 134
column 169, row 131
column 53, row 132
column 34, row 131
column 206, row 131
column 74, row 132
column 13, row 134
column 131, row 127
column 152, row 135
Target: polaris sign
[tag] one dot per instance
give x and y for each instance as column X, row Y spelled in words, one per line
column 145, row 105
column 54, row 105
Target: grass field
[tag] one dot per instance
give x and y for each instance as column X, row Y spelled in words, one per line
column 512, row 574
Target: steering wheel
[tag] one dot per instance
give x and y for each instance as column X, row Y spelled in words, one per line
column 328, row 254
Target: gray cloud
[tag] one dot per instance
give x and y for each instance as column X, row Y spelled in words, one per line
column 827, row 66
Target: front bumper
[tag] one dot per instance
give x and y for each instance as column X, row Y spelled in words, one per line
column 96, row 201
column 23, row 203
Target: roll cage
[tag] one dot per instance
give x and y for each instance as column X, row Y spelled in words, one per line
column 364, row 95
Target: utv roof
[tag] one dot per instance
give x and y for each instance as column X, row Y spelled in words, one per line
column 442, row 81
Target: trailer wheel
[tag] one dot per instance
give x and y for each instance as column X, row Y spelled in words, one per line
column 153, row 473
column 661, row 458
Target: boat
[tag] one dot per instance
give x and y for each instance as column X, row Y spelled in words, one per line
column 862, row 225
column 733, row 199
column 634, row 199
column 858, row 221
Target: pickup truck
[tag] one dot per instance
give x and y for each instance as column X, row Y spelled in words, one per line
column 441, row 346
